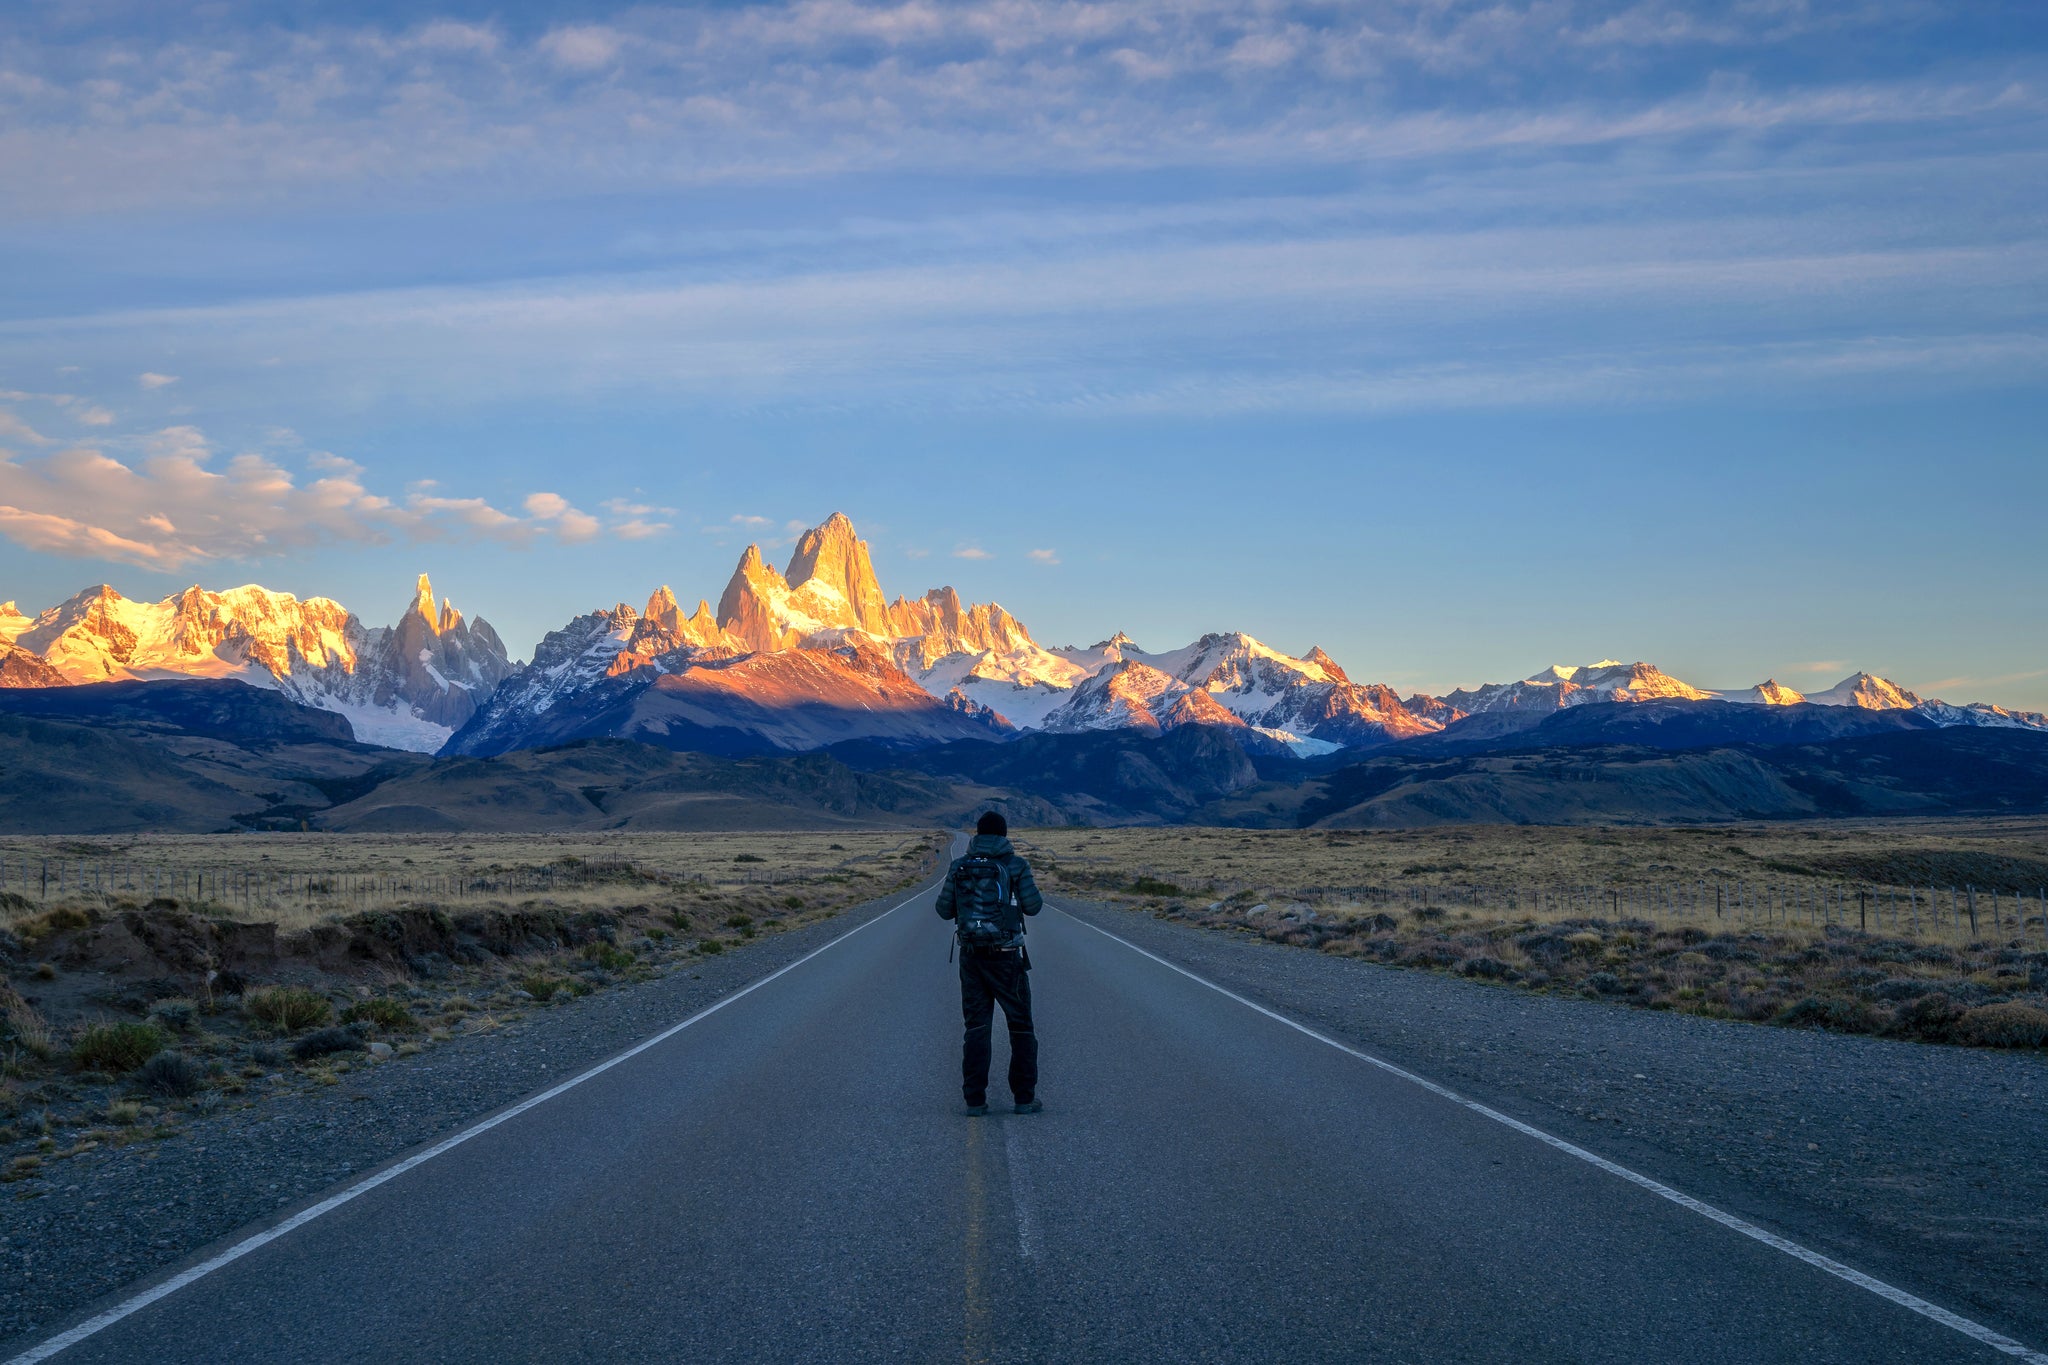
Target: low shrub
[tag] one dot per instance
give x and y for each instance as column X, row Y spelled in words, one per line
column 1606, row 983
column 323, row 1042
column 609, row 956
column 541, row 986
column 382, row 1011
column 117, row 1047
column 172, row 1075
column 1931, row 1016
column 710, row 945
column 2005, row 1025
column 1491, row 968
column 748, row 858
column 287, row 1008
column 1839, row 1016
column 175, row 1015
column 1153, row 886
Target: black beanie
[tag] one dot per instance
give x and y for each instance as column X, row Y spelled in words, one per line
column 992, row 823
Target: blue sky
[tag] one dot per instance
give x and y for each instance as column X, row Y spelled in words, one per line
column 1459, row 339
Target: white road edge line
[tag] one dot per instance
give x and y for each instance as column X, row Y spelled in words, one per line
column 101, row 1321
column 1975, row 1330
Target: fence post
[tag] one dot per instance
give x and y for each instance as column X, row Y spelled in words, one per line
column 1973, row 908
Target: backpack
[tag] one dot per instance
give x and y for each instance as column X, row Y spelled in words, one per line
column 983, row 916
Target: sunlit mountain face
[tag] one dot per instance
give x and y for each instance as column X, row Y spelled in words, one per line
column 807, row 656
column 407, row 686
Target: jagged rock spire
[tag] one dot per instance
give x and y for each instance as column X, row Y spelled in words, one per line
column 833, row 555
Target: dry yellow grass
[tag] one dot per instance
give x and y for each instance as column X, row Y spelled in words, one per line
column 1865, row 874
column 1831, row 927
column 297, row 880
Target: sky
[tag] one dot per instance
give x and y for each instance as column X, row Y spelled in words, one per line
column 1457, row 338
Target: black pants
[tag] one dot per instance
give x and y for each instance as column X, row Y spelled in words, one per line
column 985, row 980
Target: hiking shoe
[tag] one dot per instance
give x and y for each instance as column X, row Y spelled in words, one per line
column 1030, row 1106
column 975, row 1111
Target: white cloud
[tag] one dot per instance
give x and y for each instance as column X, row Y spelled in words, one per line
column 1042, row 556
column 625, row 507
column 172, row 501
column 582, row 47
column 152, row 380
column 13, row 427
column 96, row 417
column 971, row 552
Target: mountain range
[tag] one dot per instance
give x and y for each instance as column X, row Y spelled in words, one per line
column 816, row 655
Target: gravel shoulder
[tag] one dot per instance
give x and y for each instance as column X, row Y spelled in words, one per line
column 105, row 1219
column 1921, row 1164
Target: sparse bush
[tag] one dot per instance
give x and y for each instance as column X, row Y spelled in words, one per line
column 792, row 902
column 117, row 1047
column 710, row 946
column 748, row 858
column 1491, row 968
column 1153, row 886
column 287, row 1008
column 323, row 1042
column 382, row 1011
column 1605, row 983
column 1839, row 1016
column 2004, row 1025
column 609, row 956
column 175, row 1015
column 541, row 986
column 1930, row 1016
column 1585, row 944
column 172, row 1075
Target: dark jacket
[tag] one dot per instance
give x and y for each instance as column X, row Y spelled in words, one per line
column 1028, row 899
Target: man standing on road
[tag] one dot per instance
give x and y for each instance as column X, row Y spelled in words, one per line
column 983, row 895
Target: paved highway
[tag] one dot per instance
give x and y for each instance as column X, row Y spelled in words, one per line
column 791, row 1177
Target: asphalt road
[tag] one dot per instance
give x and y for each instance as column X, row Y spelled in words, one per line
column 792, row 1177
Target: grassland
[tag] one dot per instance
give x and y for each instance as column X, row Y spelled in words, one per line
column 1929, row 930
column 157, row 974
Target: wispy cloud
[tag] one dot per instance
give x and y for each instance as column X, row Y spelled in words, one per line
column 1831, row 667
column 152, row 380
column 971, row 552
column 672, row 94
column 1042, row 556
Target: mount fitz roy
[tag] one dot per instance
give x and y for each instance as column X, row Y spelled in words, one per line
column 810, row 656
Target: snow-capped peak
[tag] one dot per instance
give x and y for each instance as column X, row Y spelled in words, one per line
column 1868, row 691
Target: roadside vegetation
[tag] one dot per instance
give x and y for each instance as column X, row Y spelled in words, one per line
column 1930, row 931
column 122, row 1011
